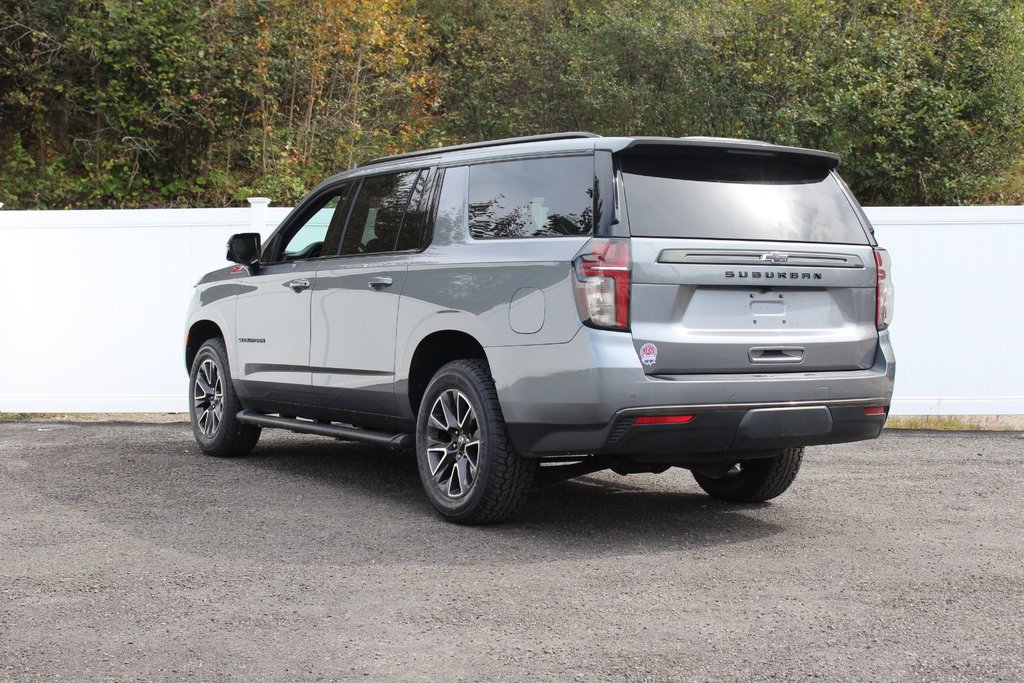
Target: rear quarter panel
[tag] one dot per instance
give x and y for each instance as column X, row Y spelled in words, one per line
column 468, row 285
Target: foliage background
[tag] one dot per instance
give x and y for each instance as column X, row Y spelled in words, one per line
column 135, row 103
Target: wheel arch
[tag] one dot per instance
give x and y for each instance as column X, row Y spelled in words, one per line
column 200, row 332
column 434, row 351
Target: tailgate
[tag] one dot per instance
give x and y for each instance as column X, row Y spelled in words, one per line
column 746, row 263
column 710, row 309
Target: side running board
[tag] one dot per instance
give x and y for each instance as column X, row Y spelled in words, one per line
column 386, row 439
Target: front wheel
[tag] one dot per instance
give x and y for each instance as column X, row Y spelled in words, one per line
column 754, row 481
column 470, row 470
column 213, row 405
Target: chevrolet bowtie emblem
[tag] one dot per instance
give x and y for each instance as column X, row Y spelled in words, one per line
column 775, row 257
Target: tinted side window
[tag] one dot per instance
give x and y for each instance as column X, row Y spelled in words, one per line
column 417, row 217
column 532, row 198
column 377, row 213
column 319, row 233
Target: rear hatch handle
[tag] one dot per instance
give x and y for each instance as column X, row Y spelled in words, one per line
column 776, row 354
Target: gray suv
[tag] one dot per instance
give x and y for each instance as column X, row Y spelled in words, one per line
column 528, row 310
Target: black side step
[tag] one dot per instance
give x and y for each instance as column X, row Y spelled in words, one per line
column 387, row 439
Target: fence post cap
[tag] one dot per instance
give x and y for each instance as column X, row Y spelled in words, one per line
column 259, row 201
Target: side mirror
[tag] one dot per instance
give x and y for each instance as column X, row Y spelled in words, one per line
column 244, row 248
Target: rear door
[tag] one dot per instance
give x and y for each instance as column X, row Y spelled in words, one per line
column 356, row 294
column 746, row 262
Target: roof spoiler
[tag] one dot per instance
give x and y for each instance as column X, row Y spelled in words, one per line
column 756, row 148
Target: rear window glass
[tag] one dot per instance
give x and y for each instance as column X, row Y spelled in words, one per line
column 552, row 197
column 726, row 196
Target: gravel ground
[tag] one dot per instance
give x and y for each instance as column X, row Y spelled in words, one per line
column 125, row 554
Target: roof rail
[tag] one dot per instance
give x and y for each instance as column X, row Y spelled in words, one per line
column 480, row 145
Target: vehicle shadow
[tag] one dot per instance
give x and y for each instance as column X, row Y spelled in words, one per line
column 601, row 514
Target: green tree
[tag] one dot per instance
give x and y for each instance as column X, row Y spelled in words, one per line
column 923, row 99
column 167, row 102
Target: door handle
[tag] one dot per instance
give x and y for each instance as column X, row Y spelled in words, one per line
column 299, row 285
column 379, row 283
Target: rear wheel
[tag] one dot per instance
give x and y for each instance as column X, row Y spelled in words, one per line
column 754, row 481
column 470, row 470
column 213, row 405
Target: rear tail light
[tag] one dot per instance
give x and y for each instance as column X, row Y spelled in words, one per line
column 884, row 292
column 602, row 283
column 874, row 410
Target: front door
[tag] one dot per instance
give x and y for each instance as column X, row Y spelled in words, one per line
column 272, row 320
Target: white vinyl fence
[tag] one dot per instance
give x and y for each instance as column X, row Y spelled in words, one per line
column 93, row 305
column 92, row 315
column 958, row 324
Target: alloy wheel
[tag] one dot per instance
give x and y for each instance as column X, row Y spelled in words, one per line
column 208, row 398
column 453, row 444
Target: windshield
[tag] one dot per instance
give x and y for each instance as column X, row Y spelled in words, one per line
column 731, row 196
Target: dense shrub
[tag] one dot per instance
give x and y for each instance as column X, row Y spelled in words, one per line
column 166, row 102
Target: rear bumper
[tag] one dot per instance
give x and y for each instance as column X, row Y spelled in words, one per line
column 714, row 431
column 585, row 396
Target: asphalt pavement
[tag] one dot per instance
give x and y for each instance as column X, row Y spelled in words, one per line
column 127, row 555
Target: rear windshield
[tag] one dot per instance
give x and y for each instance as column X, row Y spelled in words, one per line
column 736, row 197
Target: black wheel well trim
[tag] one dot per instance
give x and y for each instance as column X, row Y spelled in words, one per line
column 434, row 351
column 200, row 332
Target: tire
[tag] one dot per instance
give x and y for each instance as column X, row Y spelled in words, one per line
column 756, row 480
column 213, row 405
column 460, row 417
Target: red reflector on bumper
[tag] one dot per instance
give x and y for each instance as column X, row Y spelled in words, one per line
column 663, row 419
column 875, row 410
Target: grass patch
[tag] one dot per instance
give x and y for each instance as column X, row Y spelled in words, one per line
column 36, row 416
column 96, row 417
column 957, row 423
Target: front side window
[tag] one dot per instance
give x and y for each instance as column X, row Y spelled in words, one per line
column 551, row 197
column 319, row 233
column 377, row 214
